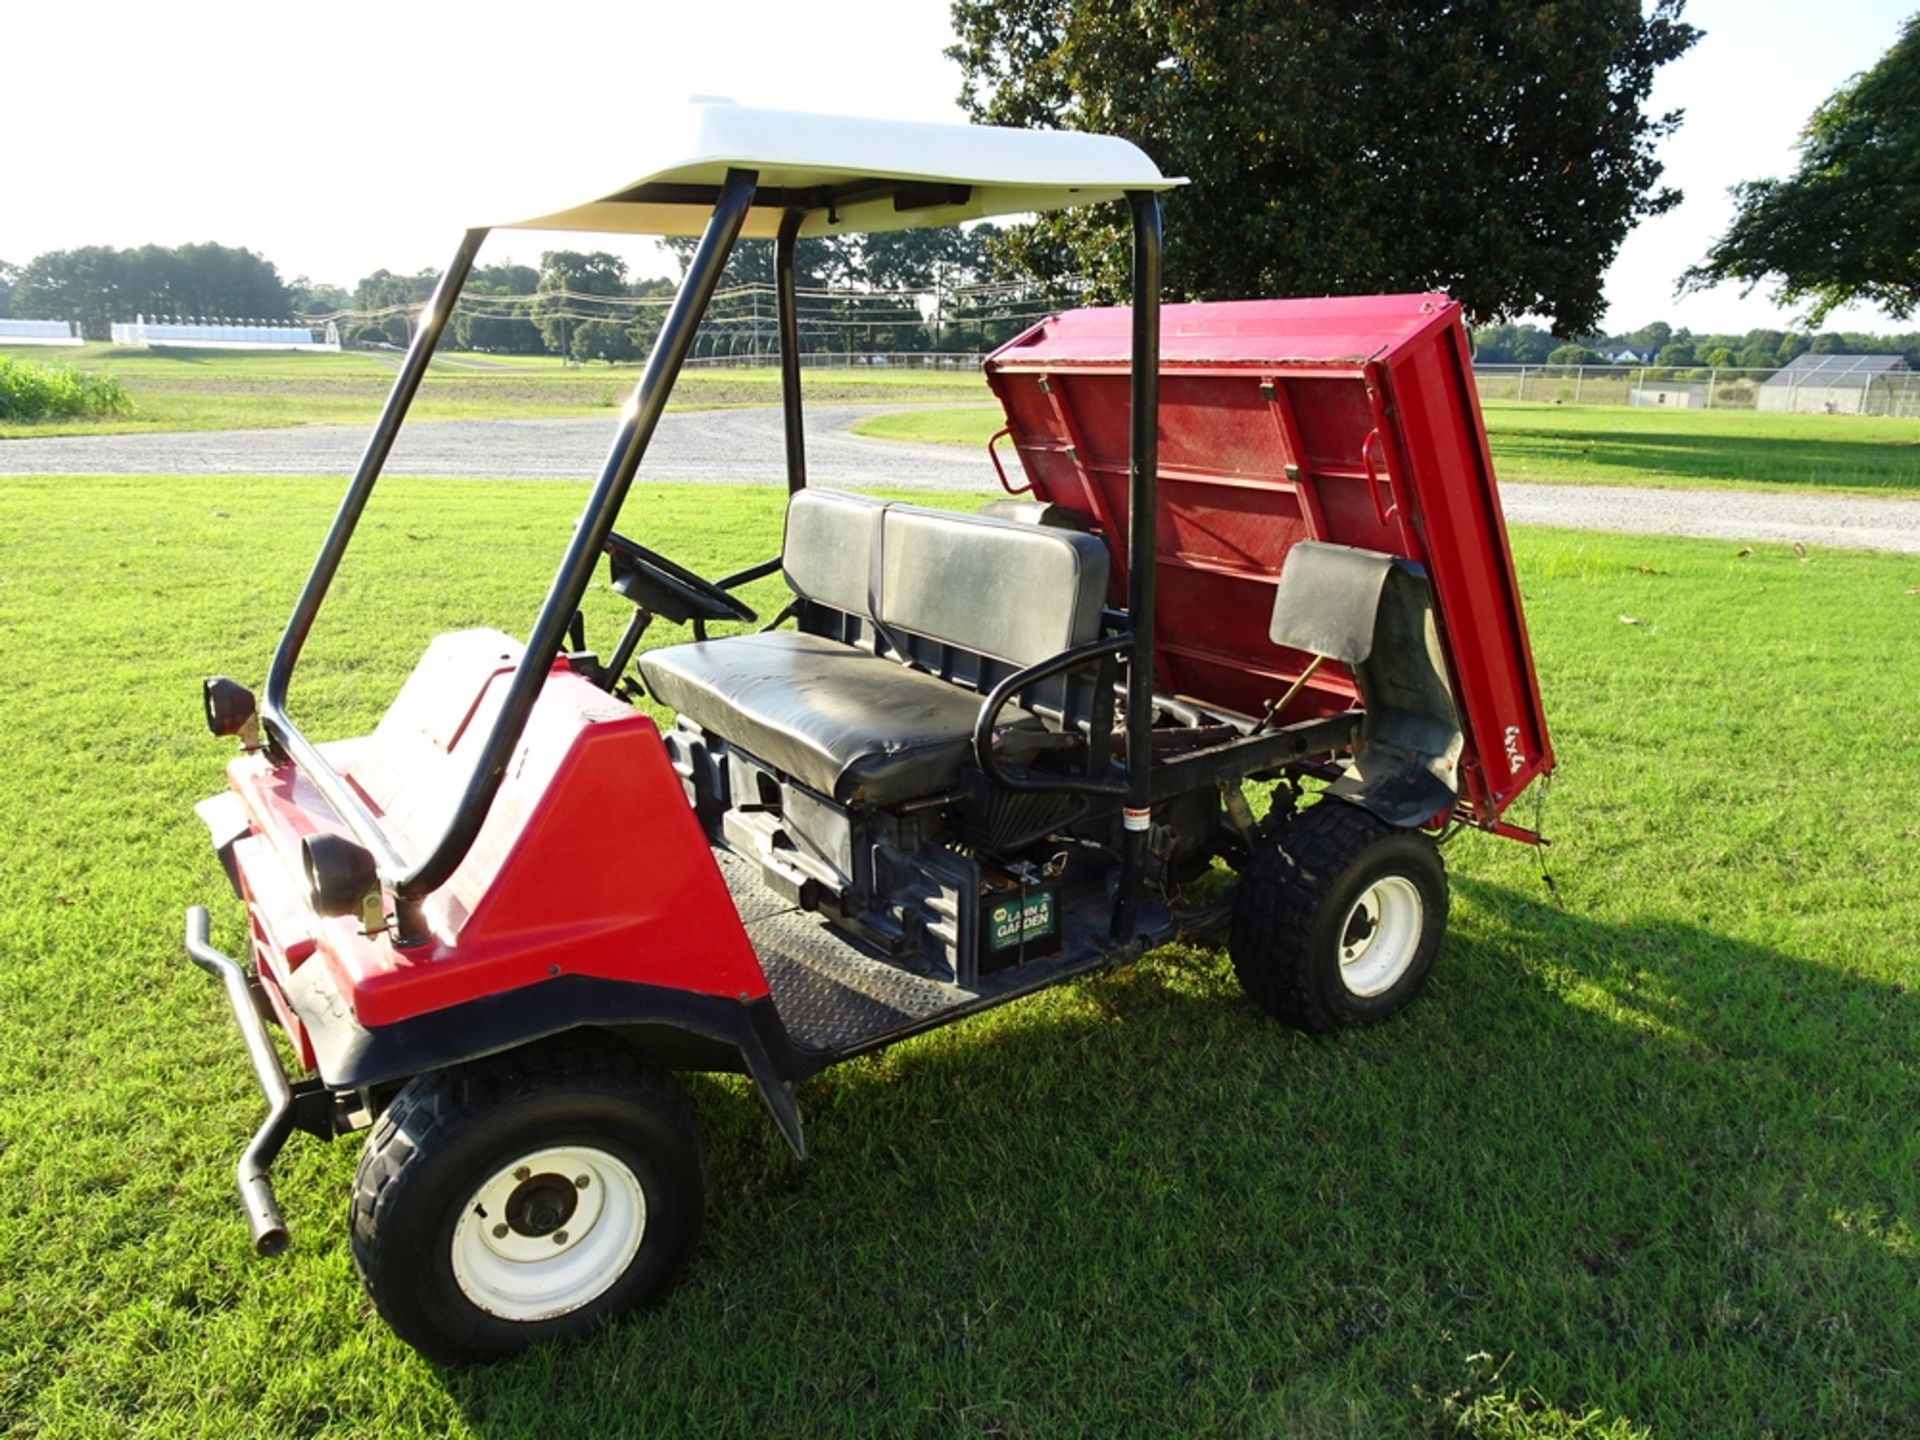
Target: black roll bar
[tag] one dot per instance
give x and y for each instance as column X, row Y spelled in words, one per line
column 1143, row 468
column 1003, row 693
column 412, row 884
column 783, row 252
column 273, row 712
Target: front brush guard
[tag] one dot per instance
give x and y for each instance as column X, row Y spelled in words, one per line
column 285, row 1100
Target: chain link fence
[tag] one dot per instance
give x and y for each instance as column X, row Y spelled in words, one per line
column 1703, row 388
column 844, row 360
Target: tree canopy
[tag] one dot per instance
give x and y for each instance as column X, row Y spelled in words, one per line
column 317, row 298
column 1845, row 226
column 97, row 284
column 868, row 273
column 503, row 326
column 1498, row 149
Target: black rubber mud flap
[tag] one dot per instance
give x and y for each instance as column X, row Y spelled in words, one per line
column 675, row 1029
column 1374, row 613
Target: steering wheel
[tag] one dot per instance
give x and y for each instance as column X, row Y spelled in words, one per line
column 670, row 591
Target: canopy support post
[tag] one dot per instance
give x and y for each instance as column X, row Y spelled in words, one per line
column 783, row 253
column 1143, row 466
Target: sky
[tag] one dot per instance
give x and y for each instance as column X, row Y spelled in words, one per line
column 338, row 139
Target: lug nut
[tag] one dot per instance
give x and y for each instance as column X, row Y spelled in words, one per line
column 522, row 1173
column 499, row 1232
column 559, row 1237
column 580, row 1182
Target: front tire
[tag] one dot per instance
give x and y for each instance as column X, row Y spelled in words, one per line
column 526, row 1198
column 1338, row 919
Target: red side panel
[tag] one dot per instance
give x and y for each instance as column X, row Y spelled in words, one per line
column 590, row 862
column 1351, row 420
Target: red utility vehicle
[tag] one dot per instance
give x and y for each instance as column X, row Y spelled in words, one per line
column 1248, row 641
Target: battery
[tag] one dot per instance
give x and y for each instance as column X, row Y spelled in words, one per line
column 1017, row 923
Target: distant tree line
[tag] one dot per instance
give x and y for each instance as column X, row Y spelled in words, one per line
column 582, row 304
column 857, row 293
column 1661, row 344
column 97, row 284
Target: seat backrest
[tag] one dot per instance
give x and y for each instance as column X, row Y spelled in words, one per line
column 1013, row 593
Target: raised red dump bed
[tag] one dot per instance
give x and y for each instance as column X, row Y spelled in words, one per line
column 1351, row 420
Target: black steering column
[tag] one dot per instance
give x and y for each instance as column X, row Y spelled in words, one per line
column 659, row 587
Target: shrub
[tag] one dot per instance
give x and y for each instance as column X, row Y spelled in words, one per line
column 58, row 392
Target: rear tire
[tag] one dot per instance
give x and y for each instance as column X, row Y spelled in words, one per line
column 1338, row 919
column 526, row 1198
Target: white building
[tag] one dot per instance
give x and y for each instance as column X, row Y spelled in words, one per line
column 39, row 332
column 224, row 334
column 1668, row 394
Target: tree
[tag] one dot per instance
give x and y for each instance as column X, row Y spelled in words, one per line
column 1573, row 355
column 1511, row 344
column 8, row 274
column 567, row 277
column 97, row 284
column 1678, row 353
column 500, row 326
column 384, row 290
column 608, row 340
column 1650, row 338
column 1496, row 148
column 209, row 279
column 913, row 259
column 403, row 295
column 744, row 310
column 1841, row 228
column 80, row 285
column 309, row 298
column 818, row 261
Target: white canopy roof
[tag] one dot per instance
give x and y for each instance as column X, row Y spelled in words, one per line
column 850, row 175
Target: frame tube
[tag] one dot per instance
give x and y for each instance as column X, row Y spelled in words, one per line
column 411, row 885
column 583, row 553
column 783, row 252
column 273, row 714
column 1002, row 694
column 1143, row 469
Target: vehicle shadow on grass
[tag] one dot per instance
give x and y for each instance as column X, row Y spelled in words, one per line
column 1836, row 464
column 1667, row 1173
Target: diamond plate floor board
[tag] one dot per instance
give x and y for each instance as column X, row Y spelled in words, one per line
column 835, row 995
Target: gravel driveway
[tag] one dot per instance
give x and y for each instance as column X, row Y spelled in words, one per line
column 741, row 447
column 744, row 447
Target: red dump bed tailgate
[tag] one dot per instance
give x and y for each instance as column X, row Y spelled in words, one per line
column 1349, row 419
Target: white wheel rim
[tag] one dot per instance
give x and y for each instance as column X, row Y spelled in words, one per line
column 1380, row 936
column 548, row 1232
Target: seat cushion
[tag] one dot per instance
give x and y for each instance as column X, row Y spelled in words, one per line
column 840, row 720
column 1019, row 593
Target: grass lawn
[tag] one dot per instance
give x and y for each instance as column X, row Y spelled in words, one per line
column 184, row 389
column 1642, row 1162
column 1613, row 445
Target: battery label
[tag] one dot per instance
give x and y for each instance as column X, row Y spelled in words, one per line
column 1012, row 921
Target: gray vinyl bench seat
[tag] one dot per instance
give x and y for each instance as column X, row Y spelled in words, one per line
column 835, row 706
